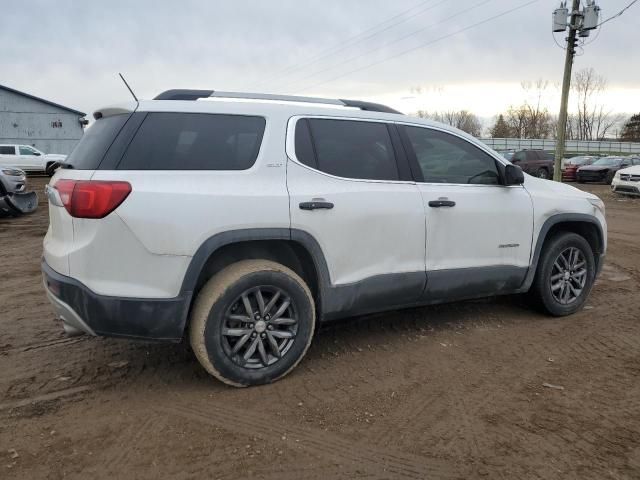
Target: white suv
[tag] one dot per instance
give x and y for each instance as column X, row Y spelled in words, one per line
column 245, row 220
column 29, row 158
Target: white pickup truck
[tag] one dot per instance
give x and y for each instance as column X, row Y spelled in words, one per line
column 28, row 158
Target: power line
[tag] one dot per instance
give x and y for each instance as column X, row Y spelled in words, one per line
column 618, row 14
column 354, row 40
column 486, row 20
column 386, row 45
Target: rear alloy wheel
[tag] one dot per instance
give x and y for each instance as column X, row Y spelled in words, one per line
column 565, row 274
column 542, row 173
column 252, row 323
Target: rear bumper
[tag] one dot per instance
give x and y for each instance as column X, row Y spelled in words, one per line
column 82, row 310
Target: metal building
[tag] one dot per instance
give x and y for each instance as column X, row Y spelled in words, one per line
column 29, row 120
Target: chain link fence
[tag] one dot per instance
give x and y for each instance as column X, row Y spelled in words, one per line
column 572, row 146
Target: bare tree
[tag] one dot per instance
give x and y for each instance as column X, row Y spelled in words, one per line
column 462, row 119
column 530, row 119
column 590, row 121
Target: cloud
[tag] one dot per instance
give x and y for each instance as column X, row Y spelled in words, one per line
column 70, row 51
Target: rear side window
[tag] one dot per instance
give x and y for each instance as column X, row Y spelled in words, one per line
column 194, row 141
column 7, row 150
column 353, row 149
column 95, row 142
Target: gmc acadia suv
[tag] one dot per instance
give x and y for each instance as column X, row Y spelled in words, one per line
column 242, row 224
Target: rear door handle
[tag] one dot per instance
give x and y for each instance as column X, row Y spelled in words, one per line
column 316, row 205
column 442, row 203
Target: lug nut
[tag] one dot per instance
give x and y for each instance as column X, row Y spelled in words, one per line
column 270, row 327
column 263, row 335
column 253, row 335
column 267, row 317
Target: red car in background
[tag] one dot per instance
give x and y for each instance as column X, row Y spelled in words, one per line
column 571, row 165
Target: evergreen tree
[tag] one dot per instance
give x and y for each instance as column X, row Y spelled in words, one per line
column 500, row 129
column 631, row 129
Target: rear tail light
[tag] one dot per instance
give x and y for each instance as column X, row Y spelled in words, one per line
column 91, row 198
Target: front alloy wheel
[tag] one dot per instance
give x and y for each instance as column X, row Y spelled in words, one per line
column 568, row 276
column 565, row 273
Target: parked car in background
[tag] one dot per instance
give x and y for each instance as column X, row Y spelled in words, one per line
column 12, row 180
column 571, row 165
column 296, row 211
column 508, row 154
column 627, row 180
column 14, row 200
column 534, row 162
column 604, row 169
column 29, row 159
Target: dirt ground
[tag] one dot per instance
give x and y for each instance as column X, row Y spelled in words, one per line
column 452, row 391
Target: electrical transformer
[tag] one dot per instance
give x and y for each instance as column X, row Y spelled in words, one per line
column 590, row 16
column 560, row 16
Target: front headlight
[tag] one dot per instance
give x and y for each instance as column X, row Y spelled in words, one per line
column 12, row 172
column 599, row 204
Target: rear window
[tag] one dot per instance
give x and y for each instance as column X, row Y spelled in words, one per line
column 194, row 141
column 95, row 142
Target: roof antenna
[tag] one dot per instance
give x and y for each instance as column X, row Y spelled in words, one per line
column 127, row 85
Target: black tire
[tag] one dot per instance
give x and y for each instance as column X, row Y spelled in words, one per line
column 542, row 173
column 609, row 179
column 543, row 282
column 221, row 302
column 50, row 169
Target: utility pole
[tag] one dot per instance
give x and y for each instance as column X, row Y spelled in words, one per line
column 583, row 21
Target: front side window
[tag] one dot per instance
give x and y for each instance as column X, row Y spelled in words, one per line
column 350, row 149
column 445, row 158
column 7, row 150
column 194, row 141
column 27, row 151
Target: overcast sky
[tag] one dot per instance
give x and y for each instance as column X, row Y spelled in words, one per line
column 70, row 51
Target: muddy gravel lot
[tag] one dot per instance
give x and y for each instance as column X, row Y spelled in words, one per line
column 452, row 391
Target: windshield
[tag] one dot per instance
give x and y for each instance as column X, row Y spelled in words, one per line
column 609, row 161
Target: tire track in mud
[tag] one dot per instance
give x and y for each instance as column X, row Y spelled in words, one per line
column 324, row 444
column 56, row 395
column 44, row 345
column 125, row 443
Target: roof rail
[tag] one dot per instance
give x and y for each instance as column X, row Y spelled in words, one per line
column 180, row 94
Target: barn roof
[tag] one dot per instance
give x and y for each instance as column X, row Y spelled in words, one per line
column 33, row 97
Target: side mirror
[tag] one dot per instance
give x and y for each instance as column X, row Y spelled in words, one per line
column 37, row 154
column 513, row 175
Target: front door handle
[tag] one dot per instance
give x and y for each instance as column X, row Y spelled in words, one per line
column 442, row 203
column 316, row 205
